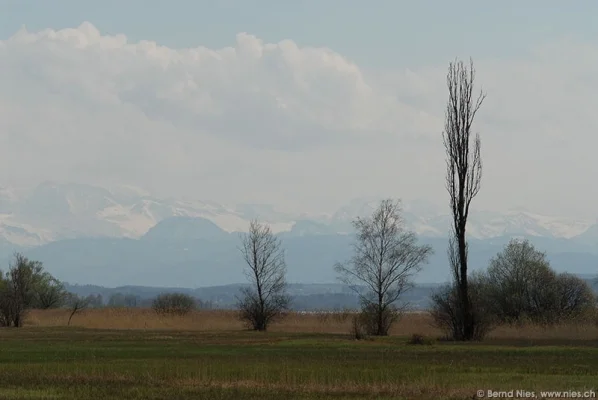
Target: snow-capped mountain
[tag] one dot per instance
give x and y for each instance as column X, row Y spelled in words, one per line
column 430, row 220
column 53, row 211
column 491, row 224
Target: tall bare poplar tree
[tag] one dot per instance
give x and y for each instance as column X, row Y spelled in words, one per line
column 463, row 178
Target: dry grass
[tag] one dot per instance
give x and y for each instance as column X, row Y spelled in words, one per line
column 339, row 323
column 136, row 318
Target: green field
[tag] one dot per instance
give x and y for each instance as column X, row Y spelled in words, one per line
column 61, row 363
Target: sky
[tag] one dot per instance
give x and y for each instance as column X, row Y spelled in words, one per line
column 304, row 105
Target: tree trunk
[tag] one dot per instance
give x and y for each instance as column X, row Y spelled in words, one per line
column 467, row 318
column 380, row 316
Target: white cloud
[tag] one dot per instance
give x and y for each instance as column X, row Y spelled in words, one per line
column 280, row 123
column 265, row 95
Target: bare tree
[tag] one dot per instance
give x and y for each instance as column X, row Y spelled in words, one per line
column 77, row 304
column 386, row 259
column 266, row 299
column 463, row 178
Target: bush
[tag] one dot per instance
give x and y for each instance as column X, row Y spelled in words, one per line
column 446, row 307
column 521, row 284
column 376, row 320
column 173, row 304
column 523, row 287
column 417, row 339
column 50, row 293
column 518, row 287
column 367, row 322
column 575, row 300
column 258, row 315
column 358, row 331
column 25, row 286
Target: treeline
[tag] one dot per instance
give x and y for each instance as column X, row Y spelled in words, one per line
column 27, row 285
column 128, row 300
column 224, row 297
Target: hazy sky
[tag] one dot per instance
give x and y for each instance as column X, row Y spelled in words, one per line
column 302, row 104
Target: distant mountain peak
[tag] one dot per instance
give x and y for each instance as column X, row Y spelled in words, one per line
column 54, row 211
column 184, row 228
column 129, row 191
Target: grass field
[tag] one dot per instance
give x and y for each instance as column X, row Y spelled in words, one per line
column 134, row 354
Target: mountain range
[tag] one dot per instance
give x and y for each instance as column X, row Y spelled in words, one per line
column 125, row 236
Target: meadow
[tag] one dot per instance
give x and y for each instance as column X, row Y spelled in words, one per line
column 136, row 354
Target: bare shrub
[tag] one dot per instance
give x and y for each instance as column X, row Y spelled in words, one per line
column 77, row 304
column 447, row 310
column 173, row 304
column 377, row 321
column 419, row 339
column 258, row 315
column 358, row 330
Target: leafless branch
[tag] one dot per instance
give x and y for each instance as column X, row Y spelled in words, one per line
column 77, row 304
column 265, row 299
column 464, row 173
column 386, row 257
